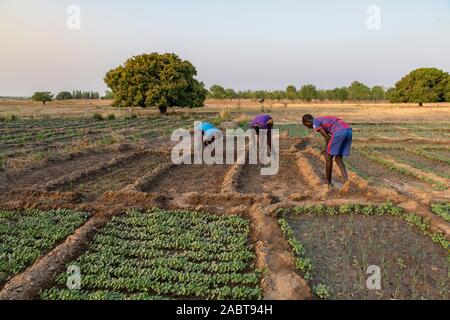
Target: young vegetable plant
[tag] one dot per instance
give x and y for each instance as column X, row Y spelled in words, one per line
column 27, row 235
column 176, row 254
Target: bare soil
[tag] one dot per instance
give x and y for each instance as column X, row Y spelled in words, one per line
column 343, row 247
column 285, row 183
column 52, row 169
column 190, row 178
column 114, row 179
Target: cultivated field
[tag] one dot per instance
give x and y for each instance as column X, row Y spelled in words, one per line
column 101, row 194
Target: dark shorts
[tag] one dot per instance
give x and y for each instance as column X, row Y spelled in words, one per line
column 341, row 143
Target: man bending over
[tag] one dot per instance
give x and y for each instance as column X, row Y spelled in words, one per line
column 263, row 122
column 338, row 141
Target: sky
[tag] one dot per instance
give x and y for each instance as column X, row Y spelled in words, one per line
column 243, row 44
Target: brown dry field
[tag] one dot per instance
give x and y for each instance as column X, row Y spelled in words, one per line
column 107, row 179
column 353, row 112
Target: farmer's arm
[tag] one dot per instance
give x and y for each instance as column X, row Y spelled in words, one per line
column 326, row 136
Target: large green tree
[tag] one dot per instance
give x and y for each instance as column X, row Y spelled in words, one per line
column 291, row 92
column 358, row 91
column 378, row 93
column 217, row 92
column 447, row 93
column 422, row 85
column 308, row 92
column 42, row 96
column 340, row 94
column 156, row 80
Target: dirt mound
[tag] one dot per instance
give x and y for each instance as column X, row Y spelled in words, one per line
column 282, row 282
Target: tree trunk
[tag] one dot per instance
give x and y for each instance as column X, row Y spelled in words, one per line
column 44, row 102
column 420, row 104
column 163, row 109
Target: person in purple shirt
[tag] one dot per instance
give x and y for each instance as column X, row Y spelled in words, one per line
column 338, row 138
column 265, row 122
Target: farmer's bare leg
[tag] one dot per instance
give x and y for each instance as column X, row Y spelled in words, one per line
column 329, row 168
column 342, row 167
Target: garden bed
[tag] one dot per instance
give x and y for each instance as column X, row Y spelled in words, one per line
column 336, row 246
column 166, row 254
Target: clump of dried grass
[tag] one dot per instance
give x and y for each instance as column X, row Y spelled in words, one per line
column 242, row 120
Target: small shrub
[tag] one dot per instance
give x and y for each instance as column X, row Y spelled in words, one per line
column 319, row 209
column 285, row 228
column 331, row 211
column 112, row 139
column 417, row 221
column 299, row 210
column 357, row 209
column 396, row 211
column 13, row 118
column 304, row 264
column 322, row 291
column 111, row 116
column 440, row 239
column 368, row 210
column 345, row 209
column 442, row 210
column 309, row 209
column 131, row 116
column 297, row 247
column 98, row 117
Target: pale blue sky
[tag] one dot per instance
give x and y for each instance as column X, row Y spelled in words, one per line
column 243, row 44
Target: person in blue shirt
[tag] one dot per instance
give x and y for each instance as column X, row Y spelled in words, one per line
column 208, row 132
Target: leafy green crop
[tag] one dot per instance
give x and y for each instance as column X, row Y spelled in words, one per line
column 442, row 210
column 25, row 236
column 322, row 291
column 302, row 262
column 176, row 254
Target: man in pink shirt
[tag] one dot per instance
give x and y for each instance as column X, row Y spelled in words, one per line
column 338, row 138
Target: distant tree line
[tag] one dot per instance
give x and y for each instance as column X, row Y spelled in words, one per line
column 13, row 98
column 357, row 91
column 420, row 86
column 78, row 95
column 45, row 96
